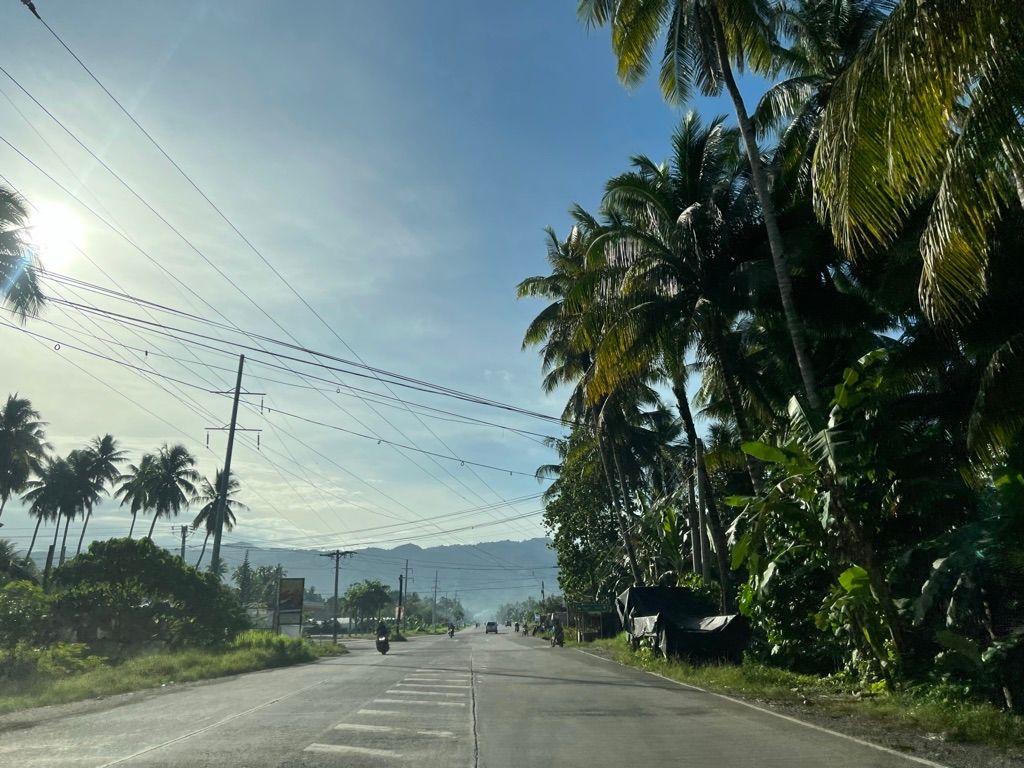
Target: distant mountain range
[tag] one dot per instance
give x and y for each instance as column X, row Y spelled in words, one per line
column 483, row 575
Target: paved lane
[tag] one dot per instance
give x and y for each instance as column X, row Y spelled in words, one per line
column 556, row 706
column 478, row 700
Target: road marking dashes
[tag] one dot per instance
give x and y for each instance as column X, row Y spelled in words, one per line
column 346, row 749
column 432, row 685
column 420, row 701
column 426, row 693
column 362, row 727
column 375, row 712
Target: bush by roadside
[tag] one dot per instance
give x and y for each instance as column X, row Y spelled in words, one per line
column 64, row 673
column 932, row 710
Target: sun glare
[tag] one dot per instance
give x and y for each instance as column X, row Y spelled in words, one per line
column 55, row 232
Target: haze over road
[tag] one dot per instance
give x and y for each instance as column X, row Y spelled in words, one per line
column 477, row 700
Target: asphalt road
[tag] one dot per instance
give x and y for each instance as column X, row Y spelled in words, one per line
column 476, row 700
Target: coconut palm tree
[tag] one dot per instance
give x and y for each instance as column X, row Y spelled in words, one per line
column 103, row 457
column 170, row 482
column 929, row 109
column 704, row 41
column 207, row 495
column 823, row 37
column 22, row 445
column 56, row 495
column 19, row 284
column 134, row 488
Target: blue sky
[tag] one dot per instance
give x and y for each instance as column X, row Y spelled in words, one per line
column 397, row 162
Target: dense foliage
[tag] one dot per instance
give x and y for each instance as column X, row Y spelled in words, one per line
column 795, row 372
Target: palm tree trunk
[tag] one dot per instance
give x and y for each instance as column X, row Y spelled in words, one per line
column 64, row 541
column 81, row 538
column 203, row 550
column 32, row 544
column 759, row 178
column 135, row 514
column 696, row 534
column 156, row 516
column 732, row 392
column 703, row 480
column 715, row 528
column 49, row 553
column 634, row 567
column 3, row 503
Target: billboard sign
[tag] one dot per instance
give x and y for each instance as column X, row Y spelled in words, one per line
column 290, row 592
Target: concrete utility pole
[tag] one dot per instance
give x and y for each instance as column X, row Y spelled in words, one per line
column 542, row 595
column 184, row 533
column 398, row 618
column 433, row 607
column 336, row 555
column 401, row 621
column 222, row 492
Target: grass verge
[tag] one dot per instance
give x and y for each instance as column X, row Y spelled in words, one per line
column 250, row 651
column 922, row 709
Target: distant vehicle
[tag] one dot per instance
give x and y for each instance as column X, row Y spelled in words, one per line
column 492, row 626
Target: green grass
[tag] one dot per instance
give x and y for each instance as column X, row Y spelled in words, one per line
column 251, row 651
column 919, row 709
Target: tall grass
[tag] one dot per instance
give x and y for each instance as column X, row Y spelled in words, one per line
column 918, row 709
column 249, row 651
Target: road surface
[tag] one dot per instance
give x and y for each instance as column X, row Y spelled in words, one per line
column 476, row 700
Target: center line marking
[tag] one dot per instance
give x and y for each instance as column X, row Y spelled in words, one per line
column 345, row 749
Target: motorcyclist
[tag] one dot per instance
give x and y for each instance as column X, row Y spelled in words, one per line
column 517, row 627
column 451, row 629
column 559, row 633
column 382, row 629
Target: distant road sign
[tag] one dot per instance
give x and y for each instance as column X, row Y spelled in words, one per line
column 591, row 607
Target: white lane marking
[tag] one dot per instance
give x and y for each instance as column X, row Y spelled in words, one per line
column 418, row 701
column 388, row 729
column 425, row 693
column 219, row 723
column 441, row 672
column 424, row 678
column 362, row 727
column 375, row 712
column 343, row 749
column 433, row 685
column 812, row 726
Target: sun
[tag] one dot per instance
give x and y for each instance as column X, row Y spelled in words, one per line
column 55, row 232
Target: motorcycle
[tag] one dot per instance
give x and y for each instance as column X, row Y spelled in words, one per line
column 451, row 632
column 558, row 639
column 383, row 645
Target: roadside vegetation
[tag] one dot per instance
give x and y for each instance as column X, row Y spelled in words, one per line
column 125, row 615
column 68, row 674
column 945, row 711
column 792, row 350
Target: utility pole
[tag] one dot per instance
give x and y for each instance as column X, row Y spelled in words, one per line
column 183, row 530
column 542, row 595
column 220, row 513
column 433, row 607
column 336, row 555
column 222, row 492
column 401, row 621
column 398, row 619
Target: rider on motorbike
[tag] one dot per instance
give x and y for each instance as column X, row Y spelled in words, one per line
column 382, row 629
column 451, row 629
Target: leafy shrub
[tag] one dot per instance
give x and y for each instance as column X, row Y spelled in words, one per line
column 23, row 611
column 26, row 661
column 134, row 593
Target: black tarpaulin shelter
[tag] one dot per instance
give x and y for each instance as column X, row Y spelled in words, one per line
column 681, row 622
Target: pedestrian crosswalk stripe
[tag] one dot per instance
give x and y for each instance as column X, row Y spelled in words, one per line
column 346, row 749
